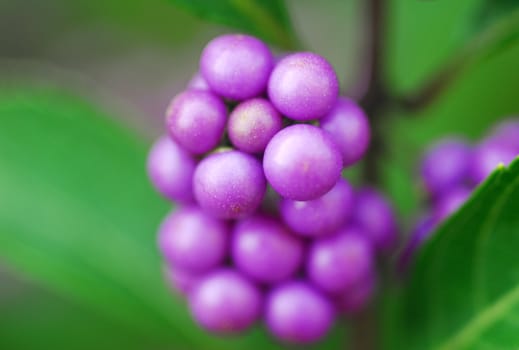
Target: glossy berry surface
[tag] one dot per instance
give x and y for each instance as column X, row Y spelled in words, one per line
column 320, row 216
column 265, row 250
column 229, row 184
column 298, row 313
column 303, row 86
column 171, row 170
column 192, row 240
column 349, row 127
column 302, row 162
column 236, row 66
column 252, row 124
column 225, row 302
column 339, row 262
column 196, row 120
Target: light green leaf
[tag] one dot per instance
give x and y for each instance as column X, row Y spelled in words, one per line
column 267, row 19
column 464, row 289
column 78, row 215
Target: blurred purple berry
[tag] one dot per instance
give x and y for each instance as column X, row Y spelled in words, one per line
column 198, row 82
column 374, row 215
column 180, row 280
column 265, row 250
column 356, row 298
column 236, row 66
column 349, row 127
column 450, row 202
column 192, row 240
column 337, row 263
column 320, row 216
column 252, row 124
column 446, row 165
column 171, row 169
column 507, row 133
column 229, row 184
column 303, row 86
column 225, row 302
column 487, row 156
column 196, row 120
column 298, row 313
column 301, row 162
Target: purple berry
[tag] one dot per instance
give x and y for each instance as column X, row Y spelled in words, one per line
column 349, row 127
column 236, row 66
column 374, row 215
column 297, row 313
column 252, row 124
column 358, row 296
column 171, row 169
column 450, row 202
column 192, row 240
column 301, row 162
column 339, row 262
column 265, row 250
column 507, row 133
column 320, row 216
column 225, row 302
column 198, row 82
column 303, row 86
column 229, row 184
column 446, row 165
column 487, row 156
column 196, row 120
column 180, row 280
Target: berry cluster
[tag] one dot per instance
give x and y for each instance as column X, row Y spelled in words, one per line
column 267, row 227
column 450, row 171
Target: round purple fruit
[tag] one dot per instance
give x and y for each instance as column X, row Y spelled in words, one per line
column 171, row 169
column 303, row 86
column 302, row 162
column 225, row 302
column 196, row 120
column 192, row 240
column 265, row 250
column 236, row 66
column 349, row 127
column 298, row 313
column 320, row 216
column 229, row 184
column 252, row 124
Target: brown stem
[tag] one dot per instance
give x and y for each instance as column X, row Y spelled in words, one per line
column 375, row 102
column 377, row 96
column 491, row 39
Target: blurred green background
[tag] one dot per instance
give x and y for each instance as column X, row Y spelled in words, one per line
column 83, row 87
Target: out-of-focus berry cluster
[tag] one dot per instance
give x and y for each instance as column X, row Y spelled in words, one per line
column 266, row 228
column 450, row 171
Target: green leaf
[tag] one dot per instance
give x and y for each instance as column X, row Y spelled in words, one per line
column 267, row 19
column 77, row 214
column 464, row 289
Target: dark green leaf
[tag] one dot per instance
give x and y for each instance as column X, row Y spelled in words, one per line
column 464, row 289
column 78, row 215
column 492, row 10
column 267, row 19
